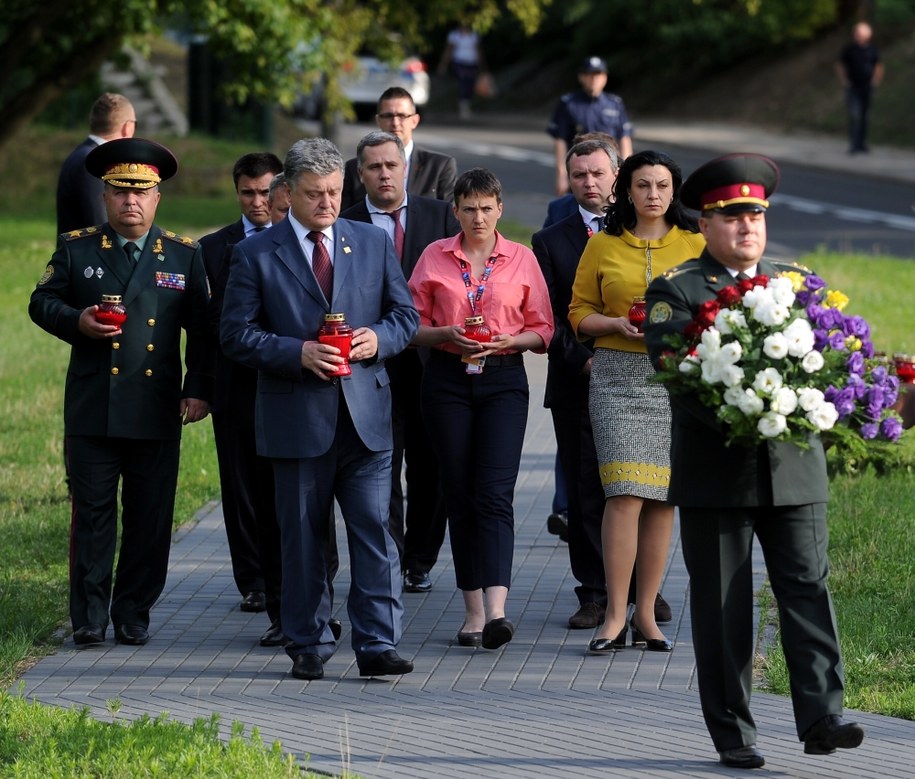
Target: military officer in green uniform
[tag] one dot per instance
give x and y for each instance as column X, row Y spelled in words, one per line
column 125, row 401
column 775, row 491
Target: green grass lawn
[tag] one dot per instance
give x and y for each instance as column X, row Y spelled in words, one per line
column 872, row 549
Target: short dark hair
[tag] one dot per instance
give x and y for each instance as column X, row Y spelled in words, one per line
column 477, row 181
column 395, row 93
column 377, row 138
column 621, row 213
column 255, row 165
column 105, row 110
column 586, row 147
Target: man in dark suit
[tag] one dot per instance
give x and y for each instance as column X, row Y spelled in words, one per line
column 774, row 491
column 420, row 221
column 124, row 403
column 592, row 167
column 246, row 480
column 79, row 195
column 429, row 173
column 327, row 438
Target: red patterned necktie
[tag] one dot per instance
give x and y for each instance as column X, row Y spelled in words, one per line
column 320, row 264
column 398, row 232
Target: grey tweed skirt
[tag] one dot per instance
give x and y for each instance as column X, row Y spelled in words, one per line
column 630, row 419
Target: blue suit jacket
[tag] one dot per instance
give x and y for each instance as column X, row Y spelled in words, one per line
column 273, row 304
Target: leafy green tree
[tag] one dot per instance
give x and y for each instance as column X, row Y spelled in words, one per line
column 271, row 48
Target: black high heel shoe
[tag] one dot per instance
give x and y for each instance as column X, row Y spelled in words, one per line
column 603, row 646
column 650, row 644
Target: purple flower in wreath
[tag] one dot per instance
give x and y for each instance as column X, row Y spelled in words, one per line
column 804, row 298
column 832, row 319
column 836, row 340
column 855, row 363
column 856, row 326
column 820, row 338
column 867, row 349
column 814, row 282
column 857, row 385
column 869, row 430
column 843, row 400
column 880, row 375
column 891, row 428
column 874, row 402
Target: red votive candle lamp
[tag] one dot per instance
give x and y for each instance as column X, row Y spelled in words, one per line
column 637, row 313
column 111, row 311
column 336, row 332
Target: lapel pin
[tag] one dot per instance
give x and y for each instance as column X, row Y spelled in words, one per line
column 346, row 250
column 88, row 272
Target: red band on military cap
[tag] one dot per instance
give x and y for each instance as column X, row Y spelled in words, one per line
column 734, row 193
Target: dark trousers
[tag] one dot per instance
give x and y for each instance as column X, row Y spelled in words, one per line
column 360, row 480
column 717, row 548
column 148, row 473
column 585, row 498
column 424, row 517
column 246, row 481
column 477, row 424
column 858, row 102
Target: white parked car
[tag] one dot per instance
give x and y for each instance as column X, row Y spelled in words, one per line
column 364, row 79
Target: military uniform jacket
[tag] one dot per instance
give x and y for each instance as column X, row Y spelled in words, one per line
column 129, row 386
column 705, row 472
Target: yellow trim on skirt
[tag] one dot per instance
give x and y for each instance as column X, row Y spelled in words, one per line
column 637, row 473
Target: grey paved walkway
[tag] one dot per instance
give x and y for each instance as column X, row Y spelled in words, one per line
column 536, row 708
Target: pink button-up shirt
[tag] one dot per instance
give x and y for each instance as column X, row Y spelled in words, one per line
column 515, row 299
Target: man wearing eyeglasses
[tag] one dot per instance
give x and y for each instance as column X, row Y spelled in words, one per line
column 429, row 173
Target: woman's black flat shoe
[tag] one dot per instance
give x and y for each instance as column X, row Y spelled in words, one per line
column 465, row 638
column 603, row 646
column 650, row 644
column 497, row 632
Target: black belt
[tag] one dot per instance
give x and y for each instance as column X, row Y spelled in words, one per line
column 492, row 361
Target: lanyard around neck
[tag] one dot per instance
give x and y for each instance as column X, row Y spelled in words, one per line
column 475, row 298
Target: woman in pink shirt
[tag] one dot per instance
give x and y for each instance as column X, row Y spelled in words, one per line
column 475, row 395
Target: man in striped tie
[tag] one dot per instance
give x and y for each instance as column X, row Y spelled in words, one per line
column 328, row 438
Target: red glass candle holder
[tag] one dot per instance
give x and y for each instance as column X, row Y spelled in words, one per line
column 905, row 367
column 476, row 329
column 336, row 332
column 111, row 311
column 637, row 313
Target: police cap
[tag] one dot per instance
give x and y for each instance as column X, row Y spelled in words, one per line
column 593, row 65
column 131, row 163
column 731, row 184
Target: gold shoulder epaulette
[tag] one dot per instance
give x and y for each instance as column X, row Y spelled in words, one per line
column 683, row 267
column 83, row 233
column 790, row 265
column 182, row 239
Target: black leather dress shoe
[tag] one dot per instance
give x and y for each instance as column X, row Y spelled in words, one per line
column 558, row 525
column 274, row 635
column 388, row 663
column 308, row 667
column 662, row 612
column 132, row 635
column 467, row 638
column 651, row 644
column 416, row 581
column 603, row 646
column 742, row 757
column 336, row 627
column 254, row 601
column 497, row 632
column 89, row 634
column 832, row 733
column 588, row 617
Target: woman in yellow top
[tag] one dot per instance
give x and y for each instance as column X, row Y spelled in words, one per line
column 647, row 232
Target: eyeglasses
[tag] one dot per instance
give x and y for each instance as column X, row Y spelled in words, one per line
column 389, row 117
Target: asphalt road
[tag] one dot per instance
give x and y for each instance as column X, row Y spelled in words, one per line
column 814, row 208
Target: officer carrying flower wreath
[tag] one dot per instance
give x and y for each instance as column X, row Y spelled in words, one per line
column 766, row 484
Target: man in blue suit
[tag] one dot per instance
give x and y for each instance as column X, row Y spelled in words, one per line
column 327, row 438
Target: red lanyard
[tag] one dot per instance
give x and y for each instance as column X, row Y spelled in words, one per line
column 465, row 275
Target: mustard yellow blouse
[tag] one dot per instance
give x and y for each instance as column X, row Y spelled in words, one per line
column 614, row 269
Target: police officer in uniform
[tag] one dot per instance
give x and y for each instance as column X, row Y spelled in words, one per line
column 125, row 401
column 774, row 491
column 588, row 110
